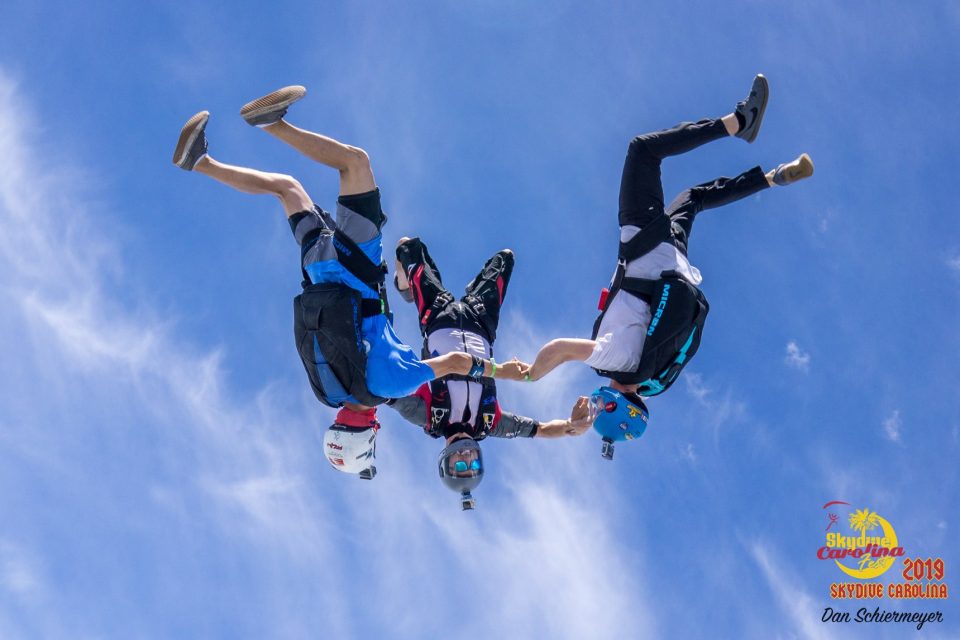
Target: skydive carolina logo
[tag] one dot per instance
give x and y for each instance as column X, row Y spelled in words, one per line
column 864, row 545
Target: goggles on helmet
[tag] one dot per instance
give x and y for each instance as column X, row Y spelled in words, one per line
column 460, row 466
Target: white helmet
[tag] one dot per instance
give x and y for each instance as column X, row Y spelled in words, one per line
column 351, row 449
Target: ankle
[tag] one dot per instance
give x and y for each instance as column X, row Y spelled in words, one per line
column 203, row 163
column 733, row 123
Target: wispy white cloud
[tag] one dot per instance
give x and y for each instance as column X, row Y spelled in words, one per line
column 696, row 387
column 892, row 426
column 953, row 263
column 565, row 582
column 56, row 272
column 241, row 476
column 795, row 602
column 19, row 573
column 721, row 407
column 689, row 453
column 824, row 219
column 796, row 358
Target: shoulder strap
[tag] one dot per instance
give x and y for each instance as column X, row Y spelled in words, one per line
column 356, row 261
column 646, row 239
column 353, row 260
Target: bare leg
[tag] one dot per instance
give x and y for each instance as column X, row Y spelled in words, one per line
column 291, row 194
column 730, row 124
column 356, row 176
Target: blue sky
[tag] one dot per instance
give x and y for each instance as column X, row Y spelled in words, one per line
column 160, row 472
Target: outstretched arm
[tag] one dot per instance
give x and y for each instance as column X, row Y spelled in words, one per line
column 463, row 363
column 453, row 362
column 514, row 426
column 558, row 351
column 578, row 423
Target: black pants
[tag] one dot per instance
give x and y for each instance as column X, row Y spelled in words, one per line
column 478, row 310
column 641, row 192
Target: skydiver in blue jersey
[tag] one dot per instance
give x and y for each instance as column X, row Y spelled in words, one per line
column 343, row 327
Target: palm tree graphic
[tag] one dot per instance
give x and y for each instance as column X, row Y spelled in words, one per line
column 863, row 521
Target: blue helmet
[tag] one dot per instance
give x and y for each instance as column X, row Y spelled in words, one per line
column 618, row 416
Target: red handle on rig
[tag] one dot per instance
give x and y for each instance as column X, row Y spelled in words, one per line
column 603, row 299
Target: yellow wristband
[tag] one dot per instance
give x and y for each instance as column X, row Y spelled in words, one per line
column 493, row 374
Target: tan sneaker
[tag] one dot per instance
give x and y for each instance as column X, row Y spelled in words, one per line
column 192, row 144
column 790, row 172
column 272, row 107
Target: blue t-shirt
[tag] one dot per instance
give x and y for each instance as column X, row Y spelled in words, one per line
column 393, row 368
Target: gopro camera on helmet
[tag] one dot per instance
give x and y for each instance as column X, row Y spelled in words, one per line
column 606, row 450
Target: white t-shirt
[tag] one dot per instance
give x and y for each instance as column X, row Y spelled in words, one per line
column 624, row 326
column 462, row 393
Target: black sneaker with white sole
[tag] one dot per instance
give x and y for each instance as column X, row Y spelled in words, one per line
column 192, row 144
column 752, row 107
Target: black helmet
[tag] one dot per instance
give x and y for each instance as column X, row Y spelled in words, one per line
column 461, row 468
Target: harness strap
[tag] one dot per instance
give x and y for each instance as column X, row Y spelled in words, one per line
column 642, row 243
column 352, row 258
column 639, row 286
column 439, row 304
column 356, row 261
column 370, row 308
column 646, row 239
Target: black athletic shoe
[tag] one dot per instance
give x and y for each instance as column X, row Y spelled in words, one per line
column 192, row 144
column 752, row 108
column 271, row 107
column 790, row 172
